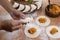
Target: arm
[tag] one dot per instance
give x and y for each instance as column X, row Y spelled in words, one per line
column 6, row 25
column 6, row 5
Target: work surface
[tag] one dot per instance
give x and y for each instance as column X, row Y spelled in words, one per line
column 19, row 34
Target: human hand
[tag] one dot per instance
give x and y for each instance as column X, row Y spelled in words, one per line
column 17, row 14
column 11, row 25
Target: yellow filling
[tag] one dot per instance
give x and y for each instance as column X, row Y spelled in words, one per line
column 32, row 30
column 54, row 9
column 53, row 31
column 42, row 20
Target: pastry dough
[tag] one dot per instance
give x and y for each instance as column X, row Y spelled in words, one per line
column 27, row 8
column 27, row 20
column 21, row 7
column 15, row 5
column 33, row 7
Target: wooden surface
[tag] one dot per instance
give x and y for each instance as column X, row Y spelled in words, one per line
column 21, row 35
column 54, row 21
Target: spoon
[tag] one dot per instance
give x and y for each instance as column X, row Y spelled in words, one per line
column 49, row 4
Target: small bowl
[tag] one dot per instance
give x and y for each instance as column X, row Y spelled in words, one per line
column 54, row 36
column 51, row 14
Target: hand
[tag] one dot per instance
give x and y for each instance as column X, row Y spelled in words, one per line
column 11, row 25
column 13, row 12
column 17, row 14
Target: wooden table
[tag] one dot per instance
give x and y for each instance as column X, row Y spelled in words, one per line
column 19, row 34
